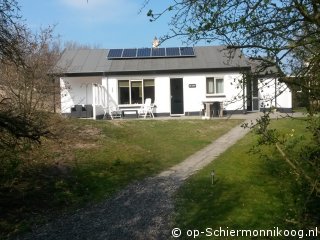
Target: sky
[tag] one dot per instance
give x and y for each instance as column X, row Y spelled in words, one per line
column 99, row 23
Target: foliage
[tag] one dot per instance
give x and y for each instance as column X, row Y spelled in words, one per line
column 10, row 31
column 15, row 128
column 29, row 87
column 301, row 152
column 283, row 35
column 26, row 87
column 26, row 90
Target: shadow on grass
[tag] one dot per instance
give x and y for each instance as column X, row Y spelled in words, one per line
column 212, row 203
column 44, row 192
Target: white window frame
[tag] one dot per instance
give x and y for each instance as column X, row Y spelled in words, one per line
column 130, row 81
column 215, row 78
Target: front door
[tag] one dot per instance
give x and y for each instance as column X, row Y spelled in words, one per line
column 176, row 89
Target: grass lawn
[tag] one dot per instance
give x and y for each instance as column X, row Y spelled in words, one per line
column 249, row 192
column 300, row 109
column 90, row 160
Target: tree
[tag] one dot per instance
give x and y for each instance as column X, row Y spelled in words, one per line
column 283, row 34
column 72, row 45
column 10, row 31
column 276, row 34
column 25, row 85
column 31, row 80
column 27, row 88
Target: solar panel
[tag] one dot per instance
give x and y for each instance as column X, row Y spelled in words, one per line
column 134, row 53
column 144, row 52
column 187, row 51
column 129, row 53
column 158, row 52
column 173, row 52
column 114, row 53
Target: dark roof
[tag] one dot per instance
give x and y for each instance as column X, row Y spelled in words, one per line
column 263, row 67
column 94, row 61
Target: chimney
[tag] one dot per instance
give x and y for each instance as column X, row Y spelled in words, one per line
column 155, row 42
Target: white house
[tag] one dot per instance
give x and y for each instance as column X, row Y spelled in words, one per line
column 178, row 80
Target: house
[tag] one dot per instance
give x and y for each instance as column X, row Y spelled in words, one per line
column 178, row 80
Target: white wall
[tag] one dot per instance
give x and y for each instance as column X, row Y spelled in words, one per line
column 271, row 89
column 267, row 92
column 111, row 85
column 193, row 97
column 76, row 90
column 232, row 96
column 233, row 91
column 284, row 96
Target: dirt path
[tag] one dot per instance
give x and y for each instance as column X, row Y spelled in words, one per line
column 142, row 210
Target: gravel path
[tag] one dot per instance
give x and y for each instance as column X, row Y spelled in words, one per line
column 143, row 210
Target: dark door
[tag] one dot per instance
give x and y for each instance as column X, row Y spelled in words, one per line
column 176, row 86
column 249, row 95
column 252, row 95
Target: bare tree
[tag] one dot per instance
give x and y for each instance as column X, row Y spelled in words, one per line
column 72, row 45
column 25, row 82
column 10, row 31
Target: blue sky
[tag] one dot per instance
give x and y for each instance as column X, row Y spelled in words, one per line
column 102, row 23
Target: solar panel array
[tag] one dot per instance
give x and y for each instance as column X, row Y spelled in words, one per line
column 133, row 53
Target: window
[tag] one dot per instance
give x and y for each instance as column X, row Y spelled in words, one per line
column 215, row 85
column 135, row 91
column 148, row 89
column 124, row 96
column 219, row 85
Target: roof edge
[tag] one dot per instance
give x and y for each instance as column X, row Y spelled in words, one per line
column 174, row 71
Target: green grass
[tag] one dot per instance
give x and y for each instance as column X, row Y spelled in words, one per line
column 91, row 160
column 300, row 109
column 249, row 192
column 132, row 150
